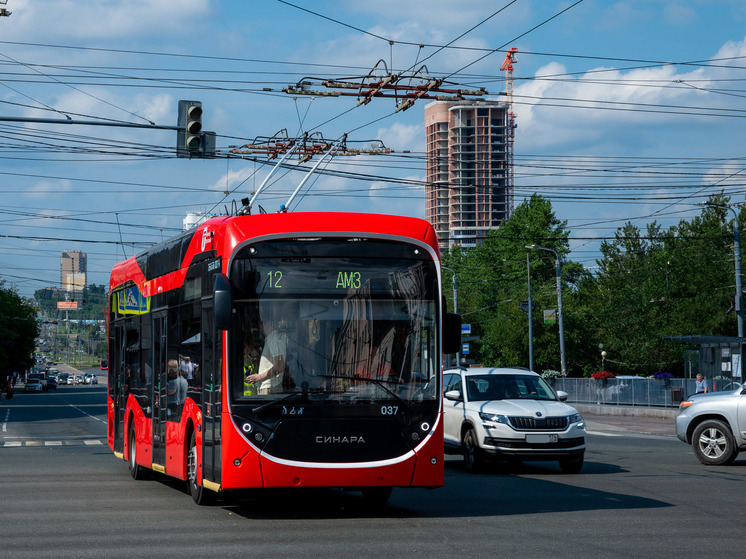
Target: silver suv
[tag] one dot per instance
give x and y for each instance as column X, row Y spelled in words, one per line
column 509, row 414
column 714, row 424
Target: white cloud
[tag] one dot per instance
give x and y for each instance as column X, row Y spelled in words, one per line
column 76, row 21
column 44, row 190
column 400, row 137
column 617, row 105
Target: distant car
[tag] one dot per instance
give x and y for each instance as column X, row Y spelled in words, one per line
column 42, row 378
column 33, row 385
column 79, row 379
column 713, row 424
column 52, row 383
column 92, row 379
column 62, row 378
column 509, row 414
column 70, row 379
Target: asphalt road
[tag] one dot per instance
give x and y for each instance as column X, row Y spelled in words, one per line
column 64, row 494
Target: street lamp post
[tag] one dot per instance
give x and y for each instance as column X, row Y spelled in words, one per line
column 560, row 317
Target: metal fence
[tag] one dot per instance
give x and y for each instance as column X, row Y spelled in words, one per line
column 629, row 391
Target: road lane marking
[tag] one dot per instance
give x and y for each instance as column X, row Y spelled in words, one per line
column 92, row 442
column 52, row 443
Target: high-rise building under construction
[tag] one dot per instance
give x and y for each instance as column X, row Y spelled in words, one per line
column 469, row 187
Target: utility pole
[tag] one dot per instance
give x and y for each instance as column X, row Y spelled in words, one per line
column 558, row 275
column 530, row 318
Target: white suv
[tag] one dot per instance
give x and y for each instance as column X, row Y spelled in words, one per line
column 510, row 414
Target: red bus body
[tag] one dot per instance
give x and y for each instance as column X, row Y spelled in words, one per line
column 330, row 429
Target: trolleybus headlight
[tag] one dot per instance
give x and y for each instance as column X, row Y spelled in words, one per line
column 247, row 428
column 425, row 426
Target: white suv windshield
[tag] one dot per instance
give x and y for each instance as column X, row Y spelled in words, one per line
column 480, row 388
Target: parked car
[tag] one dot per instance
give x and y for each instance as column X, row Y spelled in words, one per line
column 62, row 378
column 79, row 379
column 33, row 385
column 510, row 414
column 713, row 423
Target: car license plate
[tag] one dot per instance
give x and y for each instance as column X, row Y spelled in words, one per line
column 542, row 438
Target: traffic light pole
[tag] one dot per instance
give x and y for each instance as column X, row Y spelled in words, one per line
column 87, row 122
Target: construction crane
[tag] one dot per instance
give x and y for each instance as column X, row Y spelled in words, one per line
column 507, row 67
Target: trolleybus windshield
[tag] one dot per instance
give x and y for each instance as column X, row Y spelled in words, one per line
column 351, row 321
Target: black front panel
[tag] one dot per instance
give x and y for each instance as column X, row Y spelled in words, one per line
column 337, row 440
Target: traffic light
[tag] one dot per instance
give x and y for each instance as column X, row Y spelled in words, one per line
column 189, row 138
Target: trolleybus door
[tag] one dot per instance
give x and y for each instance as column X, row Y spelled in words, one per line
column 211, row 375
column 120, row 396
column 160, row 388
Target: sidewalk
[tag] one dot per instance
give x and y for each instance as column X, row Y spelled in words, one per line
column 648, row 421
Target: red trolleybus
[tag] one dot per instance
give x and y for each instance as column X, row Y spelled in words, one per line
column 282, row 350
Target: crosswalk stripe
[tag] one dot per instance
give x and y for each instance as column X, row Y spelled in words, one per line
column 76, row 442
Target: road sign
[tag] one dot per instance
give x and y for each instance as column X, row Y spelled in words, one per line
column 465, row 329
column 465, row 349
column 550, row 316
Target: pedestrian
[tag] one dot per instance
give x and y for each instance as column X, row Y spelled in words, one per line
column 700, row 387
column 8, row 389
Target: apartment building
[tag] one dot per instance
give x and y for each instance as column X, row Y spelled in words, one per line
column 468, row 190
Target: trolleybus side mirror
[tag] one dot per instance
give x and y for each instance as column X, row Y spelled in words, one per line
column 451, row 333
column 222, row 302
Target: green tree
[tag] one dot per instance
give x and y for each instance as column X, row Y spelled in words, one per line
column 493, row 280
column 663, row 283
column 18, row 332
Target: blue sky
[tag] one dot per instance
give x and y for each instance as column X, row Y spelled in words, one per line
column 629, row 110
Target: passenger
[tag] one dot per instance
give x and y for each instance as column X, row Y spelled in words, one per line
column 272, row 365
column 251, row 358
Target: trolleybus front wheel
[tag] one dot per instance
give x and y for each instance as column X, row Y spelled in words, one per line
column 199, row 494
